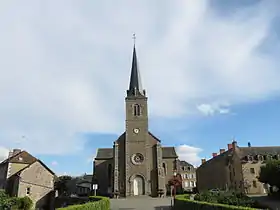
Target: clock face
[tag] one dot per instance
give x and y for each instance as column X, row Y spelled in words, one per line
column 136, row 130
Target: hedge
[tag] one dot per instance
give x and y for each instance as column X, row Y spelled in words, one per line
column 182, row 202
column 95, row 203
column 14, row 203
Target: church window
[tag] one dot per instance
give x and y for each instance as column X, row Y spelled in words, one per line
column 110, row 174
column 164, row 168
column 136, row 110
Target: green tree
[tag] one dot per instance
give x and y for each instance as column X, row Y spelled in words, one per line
column 60, row 184
column 270, row 173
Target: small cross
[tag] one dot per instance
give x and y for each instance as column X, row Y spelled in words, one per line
column 134, row 38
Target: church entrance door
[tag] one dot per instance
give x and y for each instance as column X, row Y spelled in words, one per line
column 138, row 185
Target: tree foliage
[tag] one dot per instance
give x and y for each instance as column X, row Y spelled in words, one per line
column 270, row 173
column 60, row 184
column 175, row 181
column 14, row 203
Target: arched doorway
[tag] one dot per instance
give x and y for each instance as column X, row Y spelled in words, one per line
column 138, row 185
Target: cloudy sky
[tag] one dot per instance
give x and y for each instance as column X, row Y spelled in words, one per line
column 210, row 69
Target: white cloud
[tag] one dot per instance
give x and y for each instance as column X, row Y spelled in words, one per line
column 54, row 163
column 4, row 152
column 211, row 109
column 65, row 64
column 189, row 154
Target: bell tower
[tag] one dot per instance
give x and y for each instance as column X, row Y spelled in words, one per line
column 137, row 169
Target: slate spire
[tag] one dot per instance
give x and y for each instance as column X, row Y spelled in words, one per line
column 135, row 86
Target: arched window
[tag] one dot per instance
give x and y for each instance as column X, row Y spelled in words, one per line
column 110, row 174
column 136, row 110
column 164, row 168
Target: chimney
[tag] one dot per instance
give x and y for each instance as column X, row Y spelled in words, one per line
column 229, row 146
column 10, row 154
column 203, row 161
column 214, row 154
column 14, row 152
column 222, row 151
column 234, row 145
column 249, row 144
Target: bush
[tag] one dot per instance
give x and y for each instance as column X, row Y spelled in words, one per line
column 95, row 203
column 14, row 203
column 229, row 198
column 183, row 202
column 23, row 203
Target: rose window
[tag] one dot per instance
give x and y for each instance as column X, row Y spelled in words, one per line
column 137, row 158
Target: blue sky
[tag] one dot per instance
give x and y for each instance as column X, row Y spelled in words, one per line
column 210, row 70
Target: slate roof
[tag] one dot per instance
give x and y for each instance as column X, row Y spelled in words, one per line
column 107, row 153
column 135, row 79
column 26, row 158
column 184, row 163
column 104, row 154
column 169, row 152
column 245, row 151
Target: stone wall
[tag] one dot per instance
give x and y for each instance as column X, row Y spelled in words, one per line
column 40, row 182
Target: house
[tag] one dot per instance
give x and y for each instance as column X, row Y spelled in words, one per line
column 21, row 175
column 188, row 174
column 138, row 163
column 236, row 168
column 80, row 185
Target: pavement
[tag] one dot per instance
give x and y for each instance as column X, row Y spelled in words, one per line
column 141, row 203
column 268, row 201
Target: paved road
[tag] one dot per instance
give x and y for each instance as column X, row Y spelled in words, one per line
column 141, row 203
column 274, row 204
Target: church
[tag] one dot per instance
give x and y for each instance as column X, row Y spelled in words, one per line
column 137, row 164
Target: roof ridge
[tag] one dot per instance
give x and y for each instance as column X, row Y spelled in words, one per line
column 9, row 158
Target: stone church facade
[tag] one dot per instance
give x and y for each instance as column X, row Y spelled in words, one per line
column 137, row 164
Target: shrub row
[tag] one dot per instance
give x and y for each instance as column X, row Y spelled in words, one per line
column 95, row 203
column 182, row 202
column 14, row 203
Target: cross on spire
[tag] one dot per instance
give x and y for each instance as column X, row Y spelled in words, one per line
column 134, row 38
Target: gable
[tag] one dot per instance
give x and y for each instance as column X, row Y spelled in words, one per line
column 38, row 163
column 107, row 153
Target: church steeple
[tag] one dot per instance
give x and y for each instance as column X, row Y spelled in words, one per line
column 135, row 86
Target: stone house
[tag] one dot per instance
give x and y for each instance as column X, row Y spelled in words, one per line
column 80, row 185
column 188, row 174
column 237, row 169
column 137, row 164
column 21, row 175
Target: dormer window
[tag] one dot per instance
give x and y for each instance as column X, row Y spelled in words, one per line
column 136, row 110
